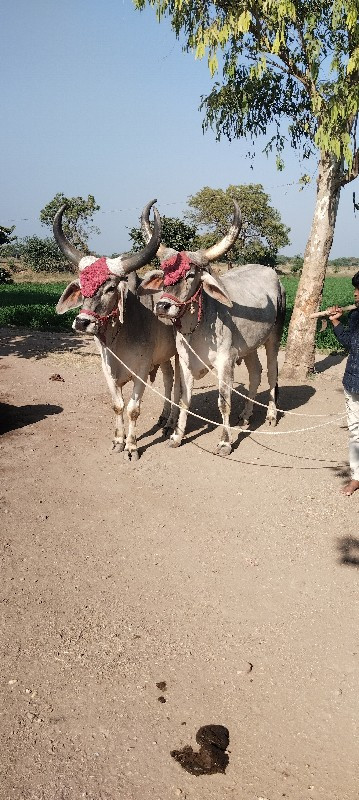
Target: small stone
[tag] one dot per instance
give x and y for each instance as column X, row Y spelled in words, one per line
column 11, row 683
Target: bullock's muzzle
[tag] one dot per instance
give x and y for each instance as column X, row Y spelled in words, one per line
column 166, row 308
column 84, row 325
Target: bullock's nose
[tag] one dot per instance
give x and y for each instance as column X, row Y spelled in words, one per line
column 163, row 305
column 81, row 324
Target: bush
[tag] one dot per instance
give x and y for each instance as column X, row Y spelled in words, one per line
column 5, row 276
column 43, row 255
column 296, row 265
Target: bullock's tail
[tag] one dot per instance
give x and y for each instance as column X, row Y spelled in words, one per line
column 278, row 329
column 281, row 308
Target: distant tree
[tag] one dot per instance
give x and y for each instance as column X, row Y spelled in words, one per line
column 5, row 235
column 262, row 233
column 175, row 233
column 77, row 218
column 6, row 242
column 345, row 261
column 296, row 264
column 43, row 255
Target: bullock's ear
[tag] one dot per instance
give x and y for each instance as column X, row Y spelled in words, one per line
column 152, row 282
column 70, row 298
column 214, row 287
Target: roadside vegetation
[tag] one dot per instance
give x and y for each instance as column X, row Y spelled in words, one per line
column 32, row 305
column 34, row 273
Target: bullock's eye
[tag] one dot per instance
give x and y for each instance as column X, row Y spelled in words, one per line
column 191, row 274
column 109, row 289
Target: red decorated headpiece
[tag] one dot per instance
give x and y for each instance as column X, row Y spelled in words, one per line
column 93, row 276
column 175, row 268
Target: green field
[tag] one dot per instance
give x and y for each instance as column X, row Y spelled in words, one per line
column 32, row 305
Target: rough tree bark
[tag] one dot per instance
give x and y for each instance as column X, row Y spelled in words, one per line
column 300, row 349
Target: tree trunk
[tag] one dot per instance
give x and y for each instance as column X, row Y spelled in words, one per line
column 300, row 349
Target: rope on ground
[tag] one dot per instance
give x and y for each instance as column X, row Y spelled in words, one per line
column 235, row 428
column 256, row 402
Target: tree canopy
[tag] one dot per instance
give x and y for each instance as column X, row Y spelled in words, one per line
column 175, row 233
column 262, row 233
column 289, row 70
column 293, row 60
column 77, row 218
column 6, row 235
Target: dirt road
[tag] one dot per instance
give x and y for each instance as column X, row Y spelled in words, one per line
column 230, row 582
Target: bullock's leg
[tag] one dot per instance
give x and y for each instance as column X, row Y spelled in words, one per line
column 225, row 382
column 254, row 368
column 272, row 346
column 167, row 373
column 133, row 412
column 171, row 423
column 185, row 391
column 118, row 442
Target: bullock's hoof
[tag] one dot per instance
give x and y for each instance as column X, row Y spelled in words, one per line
column 117, row 447
column 224, row 449
column 131, row 455
column 271, row 421
column 174, row 442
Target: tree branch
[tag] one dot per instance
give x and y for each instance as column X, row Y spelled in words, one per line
column 354, row 172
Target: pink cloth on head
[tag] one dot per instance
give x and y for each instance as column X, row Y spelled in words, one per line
column 93, row 276
column 175, row 268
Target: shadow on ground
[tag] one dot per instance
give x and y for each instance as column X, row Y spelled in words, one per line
column 26, row 343
column 348, row 548
column 331, row 360
column 205, row 404
column 13, row 417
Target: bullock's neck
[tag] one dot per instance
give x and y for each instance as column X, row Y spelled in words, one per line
column 193, row 316
column 136, row 313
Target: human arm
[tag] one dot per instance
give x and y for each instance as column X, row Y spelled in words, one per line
column 342, row 334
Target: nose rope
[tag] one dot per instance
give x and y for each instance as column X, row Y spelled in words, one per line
column 182, row 304
column 220, row 424
column 98, row 316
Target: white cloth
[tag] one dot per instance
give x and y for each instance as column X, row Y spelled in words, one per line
column 352, row 407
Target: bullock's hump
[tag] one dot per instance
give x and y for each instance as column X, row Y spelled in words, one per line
column 251, row 282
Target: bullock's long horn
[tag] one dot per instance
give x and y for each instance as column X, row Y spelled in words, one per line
column 219, row 249
column 65, row 246
column 137, row 260
column 163, row 252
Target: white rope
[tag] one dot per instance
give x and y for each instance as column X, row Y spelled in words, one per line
column 256, row 402
column 220, row 424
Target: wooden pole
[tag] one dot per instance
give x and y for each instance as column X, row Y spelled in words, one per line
column 327, row 313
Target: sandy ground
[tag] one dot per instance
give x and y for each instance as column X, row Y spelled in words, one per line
column 231, row 582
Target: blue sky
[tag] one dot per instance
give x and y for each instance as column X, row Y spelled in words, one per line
column 99, row 98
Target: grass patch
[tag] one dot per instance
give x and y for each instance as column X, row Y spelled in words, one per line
column 336, row 291
column 32, row 305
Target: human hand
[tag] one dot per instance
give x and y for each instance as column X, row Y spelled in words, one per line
column 334, row 313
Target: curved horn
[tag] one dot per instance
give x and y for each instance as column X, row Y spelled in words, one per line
column 137, row 260
column 163, row 252
column 65, row 246
column 219, row 249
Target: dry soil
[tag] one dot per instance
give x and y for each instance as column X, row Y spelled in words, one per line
column 142, row 602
